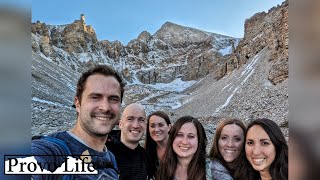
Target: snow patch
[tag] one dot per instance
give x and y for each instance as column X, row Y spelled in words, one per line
column 226, row 50
column 49, row 102
column 177, row 85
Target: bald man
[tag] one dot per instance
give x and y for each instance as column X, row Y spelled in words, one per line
column 132, row 159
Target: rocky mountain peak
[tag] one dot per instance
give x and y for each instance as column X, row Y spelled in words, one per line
column 226, row 77
column 144, row 36
column 180, row 36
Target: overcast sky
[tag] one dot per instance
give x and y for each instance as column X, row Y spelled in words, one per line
column 124, row 20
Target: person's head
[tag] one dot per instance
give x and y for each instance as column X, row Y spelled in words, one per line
column 266, row 148
column 99, row 69
column 228, row 141
column 158, row 128
column 132, row 125
column 98, row 99
column 187, row 140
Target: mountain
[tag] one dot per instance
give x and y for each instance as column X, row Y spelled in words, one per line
column 181, row 70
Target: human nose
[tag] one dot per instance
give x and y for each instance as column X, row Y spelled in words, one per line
column 104, row 105
column 256, row 150
column 185, row 140
column 156, row 128
column 230, row 143
column 135, row 123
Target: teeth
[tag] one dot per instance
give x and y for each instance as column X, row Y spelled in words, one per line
column 258, row 161
column 102, row 118
column 230, row 151
column 184, row 148
column 134, row 131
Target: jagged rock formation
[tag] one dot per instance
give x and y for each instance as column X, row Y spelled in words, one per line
column 267, row 30
column 243, row 78
column 256, row 84
column 175, row 49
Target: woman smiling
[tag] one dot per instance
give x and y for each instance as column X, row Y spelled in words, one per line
column 266, row 150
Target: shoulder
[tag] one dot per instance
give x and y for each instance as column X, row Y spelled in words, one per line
column 217, row 165
column 49, row 145
column 218, row 171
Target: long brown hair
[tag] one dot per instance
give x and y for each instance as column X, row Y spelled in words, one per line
column 214, row 152
column 196, row 168
column 150, row 145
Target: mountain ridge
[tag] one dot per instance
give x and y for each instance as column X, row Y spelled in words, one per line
column 243, row 78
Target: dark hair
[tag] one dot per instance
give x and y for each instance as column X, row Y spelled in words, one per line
column 99, row 69
column 150, row 145
column 215, row 153
column 197, row 167
column 279, row 167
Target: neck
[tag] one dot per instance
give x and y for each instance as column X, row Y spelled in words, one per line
column 265, row 175
column 231, row 165
column 94, row 142
column 129, row 144
column 161, row 148
column 182, row 169
column 184, row 162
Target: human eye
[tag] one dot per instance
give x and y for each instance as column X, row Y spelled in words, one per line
column 237, row 139
column 141, row 119
column 114, row 99
column 191, row 136
column 152, row 125
column 94, row 96
column 224, row 137
column 265, row 143
column 161, row 125
column 179, row 135
column 249, row 142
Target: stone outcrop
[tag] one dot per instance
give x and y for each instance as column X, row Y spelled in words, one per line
column 78, row 37
column 248, row 82
column 173, row 51
column 266, row 30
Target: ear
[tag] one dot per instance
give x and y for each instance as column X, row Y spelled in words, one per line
column 120, row 124
column 77, row 104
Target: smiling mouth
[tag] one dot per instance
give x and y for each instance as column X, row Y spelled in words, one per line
column 183, row 147
column 230, row 151
column 258, row 161
column 157, row 134
column 135, row 131
column 102, row 118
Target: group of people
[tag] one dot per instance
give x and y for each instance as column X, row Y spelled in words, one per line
column 171, row 151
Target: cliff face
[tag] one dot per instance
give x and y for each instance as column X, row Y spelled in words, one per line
column 181, row 51
column 269, row 30
column 256, row 80
column 226, row 77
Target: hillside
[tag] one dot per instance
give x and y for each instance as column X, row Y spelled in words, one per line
column 181, row 70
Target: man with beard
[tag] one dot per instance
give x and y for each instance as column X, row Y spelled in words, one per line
column 132, row 159
column 97, row 101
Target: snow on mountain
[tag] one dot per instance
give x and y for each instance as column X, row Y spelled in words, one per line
column 180, row 70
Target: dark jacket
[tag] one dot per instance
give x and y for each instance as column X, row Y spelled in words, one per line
column 133, row 164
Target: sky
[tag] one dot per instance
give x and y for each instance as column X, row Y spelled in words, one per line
column 124, row 20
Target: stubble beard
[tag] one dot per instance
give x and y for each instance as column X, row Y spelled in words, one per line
column 89, row 124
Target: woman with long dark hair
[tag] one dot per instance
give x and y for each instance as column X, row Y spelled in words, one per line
column 185, row 155
column 157, row 135
column 266, row 150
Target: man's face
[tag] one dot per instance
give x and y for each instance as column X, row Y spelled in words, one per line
column 132, row 124
column 99, row 108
